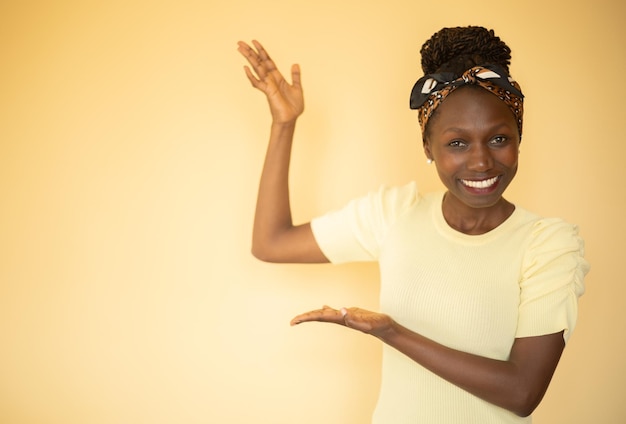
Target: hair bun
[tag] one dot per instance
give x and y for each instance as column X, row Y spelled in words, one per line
column 461, row 48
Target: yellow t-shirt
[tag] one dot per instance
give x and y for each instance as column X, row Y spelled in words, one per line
column 471, row 293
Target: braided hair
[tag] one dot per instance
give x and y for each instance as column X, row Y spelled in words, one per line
column 461, row 48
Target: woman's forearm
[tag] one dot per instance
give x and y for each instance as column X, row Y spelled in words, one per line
column 517, row 384
column 275, row 238
column 273, row 208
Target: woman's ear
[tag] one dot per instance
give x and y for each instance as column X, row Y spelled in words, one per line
column 427, row 151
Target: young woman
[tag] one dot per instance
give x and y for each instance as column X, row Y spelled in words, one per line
column 478, row 296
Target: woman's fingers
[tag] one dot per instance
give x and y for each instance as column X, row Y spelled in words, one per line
column 264, row 58
column 264, row 66
column 259, row 60
column 286, row 100
column 295, row 76
column 253, row 59
column 326, row 314
column 368, row 322
column 255, row 82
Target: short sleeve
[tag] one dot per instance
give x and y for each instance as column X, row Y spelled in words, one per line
column 553, row 274
column 355, row 233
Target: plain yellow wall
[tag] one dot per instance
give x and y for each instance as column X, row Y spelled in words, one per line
column 130, row 149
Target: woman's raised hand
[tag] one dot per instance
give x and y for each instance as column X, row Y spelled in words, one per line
column 286, row 100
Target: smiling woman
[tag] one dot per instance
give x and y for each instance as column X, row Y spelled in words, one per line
column 478, row 295
column 474, row 143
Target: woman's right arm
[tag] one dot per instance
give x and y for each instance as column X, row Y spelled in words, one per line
column 274, row 237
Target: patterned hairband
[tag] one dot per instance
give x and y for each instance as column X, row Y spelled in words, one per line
column 430, row 90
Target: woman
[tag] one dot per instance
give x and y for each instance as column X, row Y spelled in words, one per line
column 478, row 296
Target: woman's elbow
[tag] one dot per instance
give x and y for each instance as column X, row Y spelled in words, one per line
column 524, row 411
column 272, row 251
column 263, row 254
column 288, row 252
column 525, row 403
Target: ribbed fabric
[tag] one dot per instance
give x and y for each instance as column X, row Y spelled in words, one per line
column 471, row 293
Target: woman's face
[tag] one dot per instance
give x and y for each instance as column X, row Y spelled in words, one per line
column 474, row 142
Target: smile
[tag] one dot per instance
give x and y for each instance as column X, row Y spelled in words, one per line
column 480, row 184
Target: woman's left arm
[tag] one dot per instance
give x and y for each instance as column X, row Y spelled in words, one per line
column 517, row 384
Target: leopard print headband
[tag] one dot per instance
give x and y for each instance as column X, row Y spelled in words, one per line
column 430, row 90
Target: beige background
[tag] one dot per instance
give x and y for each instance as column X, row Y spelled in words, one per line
column 130, row 149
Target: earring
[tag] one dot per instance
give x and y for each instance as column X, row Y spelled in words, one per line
column 429, row 161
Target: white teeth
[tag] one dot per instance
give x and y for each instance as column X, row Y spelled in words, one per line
column 480, row 184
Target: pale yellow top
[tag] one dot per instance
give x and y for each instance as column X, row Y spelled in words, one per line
column 471, row 293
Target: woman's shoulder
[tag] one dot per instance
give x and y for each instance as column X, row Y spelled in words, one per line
column 552, row 237
column 542, row 228
column 396, row 200
column 404, row 195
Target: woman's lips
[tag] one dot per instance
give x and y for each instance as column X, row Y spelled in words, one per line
column 481, row 184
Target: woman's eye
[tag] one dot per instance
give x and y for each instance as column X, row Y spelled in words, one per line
column 456, row 143
column 498, row 140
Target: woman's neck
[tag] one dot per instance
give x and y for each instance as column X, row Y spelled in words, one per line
column 475, row 221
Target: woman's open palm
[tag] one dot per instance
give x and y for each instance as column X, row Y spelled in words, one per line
column 368, row 322
column 286, row 100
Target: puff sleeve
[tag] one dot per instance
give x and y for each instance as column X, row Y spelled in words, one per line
column 552, row 277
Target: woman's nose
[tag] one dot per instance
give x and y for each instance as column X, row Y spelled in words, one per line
column 480, row 159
